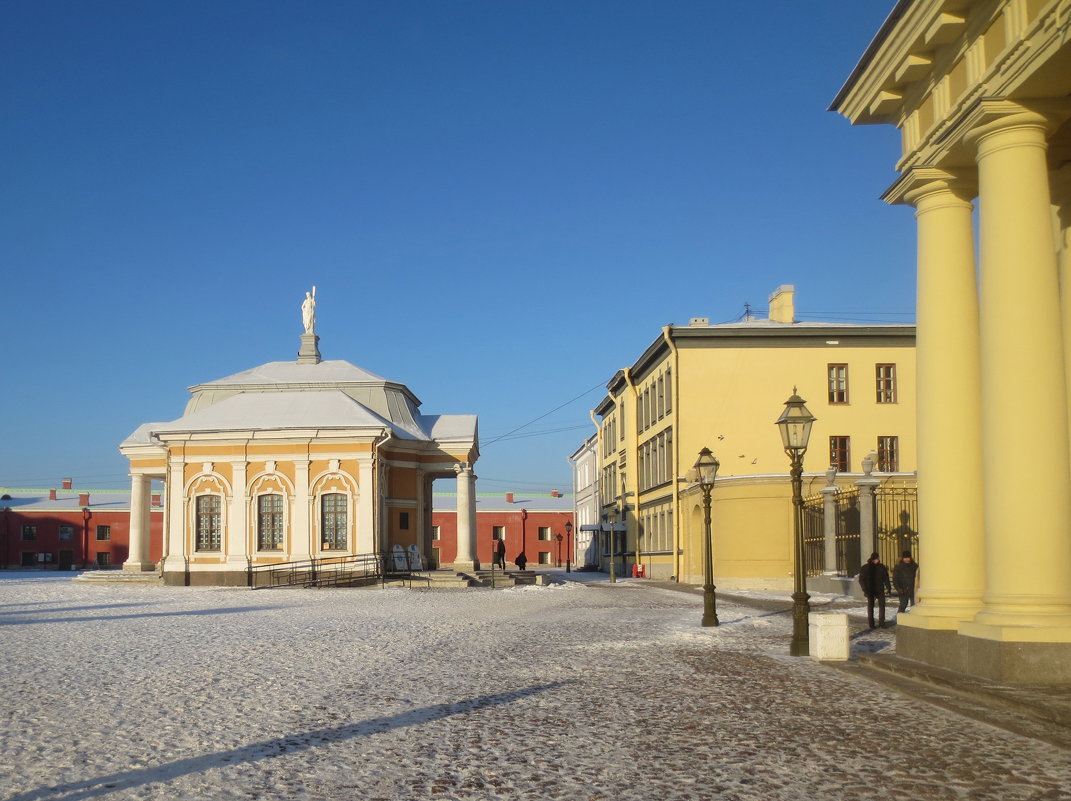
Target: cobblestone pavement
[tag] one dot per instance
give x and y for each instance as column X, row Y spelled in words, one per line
column 579, row 692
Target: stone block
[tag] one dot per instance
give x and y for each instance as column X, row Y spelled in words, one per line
column 828, row 633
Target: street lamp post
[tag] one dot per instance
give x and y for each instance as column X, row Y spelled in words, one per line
column 795, row 425
column 568, row 546
column 706, row 468
column 523, row 558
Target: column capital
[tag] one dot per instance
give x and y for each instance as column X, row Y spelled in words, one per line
column 921, row 186
column 989, row 117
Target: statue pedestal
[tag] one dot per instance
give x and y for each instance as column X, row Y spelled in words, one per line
column 310, row 352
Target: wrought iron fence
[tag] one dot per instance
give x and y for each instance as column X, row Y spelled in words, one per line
column 895, row 516
column 896, row 523
column 814, row 539
column 848, row 528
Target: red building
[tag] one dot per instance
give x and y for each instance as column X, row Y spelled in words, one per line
column 68, row 528
column 535, row 522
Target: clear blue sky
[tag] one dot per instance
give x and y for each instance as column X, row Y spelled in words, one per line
column 500, row 202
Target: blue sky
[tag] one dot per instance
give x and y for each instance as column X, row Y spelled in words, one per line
column 500, row 202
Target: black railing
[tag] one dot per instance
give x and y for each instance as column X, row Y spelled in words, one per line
column 334, row 571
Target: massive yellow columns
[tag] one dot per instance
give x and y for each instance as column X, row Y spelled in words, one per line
column 948, row 404
column 1024, row 403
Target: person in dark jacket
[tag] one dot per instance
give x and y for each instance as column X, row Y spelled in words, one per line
column 521, row 560
column 874, row 579
column 904, row 576
column 499, row 559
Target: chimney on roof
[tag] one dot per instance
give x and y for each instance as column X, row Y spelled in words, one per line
column 83, row 499
column 52, row 495
column 509, row 497
column 782, row 304
column 555, row 494
column 66, row 483
column 156, row 499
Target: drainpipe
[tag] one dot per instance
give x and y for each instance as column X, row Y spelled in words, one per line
column 633, row 458
column 85, row 537
column 667, row 336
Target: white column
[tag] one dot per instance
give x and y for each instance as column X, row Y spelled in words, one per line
column 866, row 485
column 466, row 518
column 138, row 552
column 237, row 533
column 300, row 529
column 1027, row 480
column 175, row 561
column 829, row 521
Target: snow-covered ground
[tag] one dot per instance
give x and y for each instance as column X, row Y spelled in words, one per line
column 578, row 691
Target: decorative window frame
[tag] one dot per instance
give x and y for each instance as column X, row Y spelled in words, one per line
column 268, row 483
column 207, row 483
column 331, row 482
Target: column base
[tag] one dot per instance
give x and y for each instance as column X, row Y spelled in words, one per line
column 139, row 566
column 1008, row 662
column 466, row 566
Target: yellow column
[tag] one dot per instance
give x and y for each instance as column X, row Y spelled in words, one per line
column 1061, row 200
column 951, row 552
column 1024, row 403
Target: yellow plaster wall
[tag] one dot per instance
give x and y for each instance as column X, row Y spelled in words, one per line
column 730, row 399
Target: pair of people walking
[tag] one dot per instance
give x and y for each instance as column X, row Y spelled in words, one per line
column 874, row 579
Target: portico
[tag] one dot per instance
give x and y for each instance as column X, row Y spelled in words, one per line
column 980, row 93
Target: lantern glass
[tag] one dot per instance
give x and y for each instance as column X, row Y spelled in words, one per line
column 706, row 467
column 795, row 424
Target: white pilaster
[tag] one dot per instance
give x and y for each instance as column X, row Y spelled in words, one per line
column 138, row 553
column 366, row 539
column 175, row 559
column 300, row 540
column 237, row 534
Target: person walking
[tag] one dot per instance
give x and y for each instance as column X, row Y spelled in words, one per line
column 499, row 559
column 874, row 579
column 521, row 561
column 904, row 579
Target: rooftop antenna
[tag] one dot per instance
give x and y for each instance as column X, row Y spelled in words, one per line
column 747, row 313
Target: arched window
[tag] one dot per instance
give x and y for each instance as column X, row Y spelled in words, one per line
column 333, row 521
column 207, row 512
column 269, row 522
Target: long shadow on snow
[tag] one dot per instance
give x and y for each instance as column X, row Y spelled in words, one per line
column 102, row 785
column 99, row 618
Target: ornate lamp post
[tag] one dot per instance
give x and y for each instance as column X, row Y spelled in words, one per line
column 568, row 546
column 795, row 424
column 706, row 468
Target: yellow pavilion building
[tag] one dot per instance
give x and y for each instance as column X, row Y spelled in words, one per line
column 292, row 461
column 981, row 93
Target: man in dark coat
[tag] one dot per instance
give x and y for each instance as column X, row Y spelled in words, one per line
column 874, row 579
column 521, row 561
column 499, row 559
column 903, row 579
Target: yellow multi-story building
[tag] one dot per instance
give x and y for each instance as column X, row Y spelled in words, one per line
column 981, row 93
column 723, row 387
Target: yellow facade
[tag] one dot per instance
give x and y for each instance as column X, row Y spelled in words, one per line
column 722, row 387
column 980, row 92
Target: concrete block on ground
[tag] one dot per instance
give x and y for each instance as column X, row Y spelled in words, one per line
column 829, row 637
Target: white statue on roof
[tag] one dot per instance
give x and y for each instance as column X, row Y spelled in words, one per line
column 308, row 311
